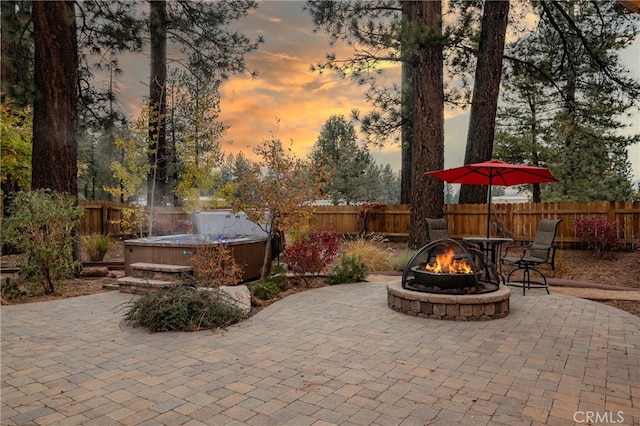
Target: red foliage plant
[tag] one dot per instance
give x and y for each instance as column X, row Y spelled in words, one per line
column 161, row 227
column 183, row 226
column 600, row 234
column 312, row 253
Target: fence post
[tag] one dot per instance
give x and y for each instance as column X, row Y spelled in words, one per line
column 104, row 219
column 611, row 211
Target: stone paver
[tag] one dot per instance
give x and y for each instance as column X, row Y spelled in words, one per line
column 335, row 355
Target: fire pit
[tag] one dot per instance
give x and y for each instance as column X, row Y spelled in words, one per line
column 445, row 280
column 445, row 266
column 438, row 282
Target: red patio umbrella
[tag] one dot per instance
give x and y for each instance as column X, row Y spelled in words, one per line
column 494, row 172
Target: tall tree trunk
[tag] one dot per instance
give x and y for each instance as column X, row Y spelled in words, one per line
column 407, row 116
column 8, row 74
column 55, row 116
column 568, row 127
column 427, row 196
column 485, row 94
column 158, row 192
column 536, row 194
column 54, row 152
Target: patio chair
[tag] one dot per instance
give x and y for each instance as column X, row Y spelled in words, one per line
column 531, row 258
column 437, row 229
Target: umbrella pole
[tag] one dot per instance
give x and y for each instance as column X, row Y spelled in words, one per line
column 489, row 209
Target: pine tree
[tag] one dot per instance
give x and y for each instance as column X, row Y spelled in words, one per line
column 337, row 153
column 194, row 134
column 202, row 32
column 564, row 110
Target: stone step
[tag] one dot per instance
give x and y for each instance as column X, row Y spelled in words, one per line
column 139, row 285
column 161, row 271
column 160, row 267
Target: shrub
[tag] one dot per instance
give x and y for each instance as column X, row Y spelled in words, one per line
column 265, row 290
column 372, row 254
column 600, row 234
column 279, row 277
column 40, row 224
column 96, row 246
column 401, row 259
column 161, row 227
column 183, row 226
column 351, row 269
column 11, row 289
column 132, row 221
column 181, row 309
column 311, row 254
column 215, row 266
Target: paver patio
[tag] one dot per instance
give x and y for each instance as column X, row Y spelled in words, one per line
column 334, row 355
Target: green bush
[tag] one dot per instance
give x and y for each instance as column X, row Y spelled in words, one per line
column 40, row 224
column 265, row 290
column 11, row 289
column 279, row 277
column 351, row 269
column 96, row 246
column 182, row 309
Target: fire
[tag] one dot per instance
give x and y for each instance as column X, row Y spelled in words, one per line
column 447, row 264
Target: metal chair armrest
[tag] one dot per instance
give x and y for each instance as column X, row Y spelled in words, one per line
column 510, row 249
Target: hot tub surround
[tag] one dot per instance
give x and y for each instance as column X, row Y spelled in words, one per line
column 245, row 238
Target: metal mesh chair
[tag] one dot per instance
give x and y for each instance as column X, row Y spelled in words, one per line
column 437, row 229
column 531, row 258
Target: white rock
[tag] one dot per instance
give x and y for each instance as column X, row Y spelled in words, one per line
column 239, row 294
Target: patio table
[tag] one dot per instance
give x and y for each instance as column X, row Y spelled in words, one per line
column 489, row 247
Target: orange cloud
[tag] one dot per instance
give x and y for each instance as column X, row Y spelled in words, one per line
column 287, row 90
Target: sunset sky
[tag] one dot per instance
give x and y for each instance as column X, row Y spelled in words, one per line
column 301, row 101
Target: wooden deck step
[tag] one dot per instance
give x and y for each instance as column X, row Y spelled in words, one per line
column 139, row 285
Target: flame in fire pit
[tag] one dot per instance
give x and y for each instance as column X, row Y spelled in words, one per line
column 447, row 264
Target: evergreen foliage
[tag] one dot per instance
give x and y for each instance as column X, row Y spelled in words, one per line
column 562, row 110
column 352, row 175
column 337, row 152
column 265, row 290
column 350, row 269
column 182, row 309
column 194, row 134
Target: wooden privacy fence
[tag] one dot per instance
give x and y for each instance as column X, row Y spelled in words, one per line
column 103, row 217
column 518, row 221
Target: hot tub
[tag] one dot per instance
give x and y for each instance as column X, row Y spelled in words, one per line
column 246, row 240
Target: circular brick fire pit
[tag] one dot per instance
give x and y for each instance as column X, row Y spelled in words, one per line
column 445, row 280
column 466, row 307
